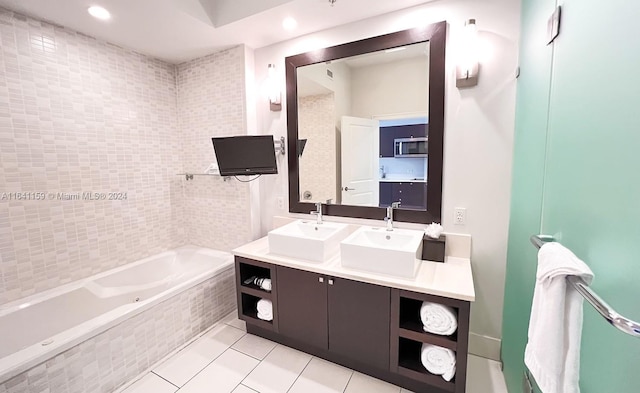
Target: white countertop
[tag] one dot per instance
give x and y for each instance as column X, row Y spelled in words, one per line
column 452, row 279
column 392, row 180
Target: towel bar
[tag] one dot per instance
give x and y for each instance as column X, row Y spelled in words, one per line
column 625, row 324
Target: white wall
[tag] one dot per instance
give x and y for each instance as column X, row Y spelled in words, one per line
column 407, row 79
column 478, row 137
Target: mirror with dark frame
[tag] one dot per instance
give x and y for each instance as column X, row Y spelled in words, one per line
column 366, row 119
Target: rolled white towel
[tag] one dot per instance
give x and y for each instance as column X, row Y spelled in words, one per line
column 264, row 283
column 265, row 309
column 438, row 319
column 438, row 361
column 265, row 317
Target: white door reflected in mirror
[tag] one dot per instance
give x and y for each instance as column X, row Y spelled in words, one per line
column 360, row 144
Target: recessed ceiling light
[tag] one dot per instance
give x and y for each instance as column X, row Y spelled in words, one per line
column 99, row 12
column 289, row 23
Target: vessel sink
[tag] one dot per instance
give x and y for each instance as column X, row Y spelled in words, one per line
column 394, row 253
column 307, row 240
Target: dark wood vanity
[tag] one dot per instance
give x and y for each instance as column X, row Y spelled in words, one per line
column 370, row 328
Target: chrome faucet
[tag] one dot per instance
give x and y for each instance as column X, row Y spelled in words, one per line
column 389, row 217
column 318, row 212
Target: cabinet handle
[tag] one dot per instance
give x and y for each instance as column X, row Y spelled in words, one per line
column 320, row 279
column 330, row 281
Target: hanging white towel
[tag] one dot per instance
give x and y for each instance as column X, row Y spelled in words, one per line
column 265, row 309
column 438, row 361
column 555, row 328
column 438, row 319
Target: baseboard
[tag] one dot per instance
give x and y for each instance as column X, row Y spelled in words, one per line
column 484, row 346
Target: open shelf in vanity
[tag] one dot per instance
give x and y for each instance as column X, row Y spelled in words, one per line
column 249, row 293
column 408, row 335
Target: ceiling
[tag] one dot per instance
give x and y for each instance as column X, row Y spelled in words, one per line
column 181, row 30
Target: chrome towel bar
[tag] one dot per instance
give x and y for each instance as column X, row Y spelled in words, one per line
column 625, row 324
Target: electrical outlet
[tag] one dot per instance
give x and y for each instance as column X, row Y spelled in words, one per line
column 280, row 203
column 459, row 216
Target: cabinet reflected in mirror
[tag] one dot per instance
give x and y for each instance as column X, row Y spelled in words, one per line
column 366, row 119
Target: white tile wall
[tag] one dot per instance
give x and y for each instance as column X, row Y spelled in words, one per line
column 110, row 359
column 81, row 115
column 211, row 102
column 317, row 117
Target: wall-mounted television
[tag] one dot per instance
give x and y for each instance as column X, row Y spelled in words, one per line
column 245, row 155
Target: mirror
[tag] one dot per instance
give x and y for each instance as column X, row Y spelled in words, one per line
column 366, row 120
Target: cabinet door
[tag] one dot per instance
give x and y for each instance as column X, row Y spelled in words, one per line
column 385, row 194
column 302, row 306
column 387, row 136
column 359, row 319
column 412, row 195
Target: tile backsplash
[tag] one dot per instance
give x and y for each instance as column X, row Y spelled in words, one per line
column 91, row 139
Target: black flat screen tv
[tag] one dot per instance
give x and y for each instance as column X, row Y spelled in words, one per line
column 245, row 155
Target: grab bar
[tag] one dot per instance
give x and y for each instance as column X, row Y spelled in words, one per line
column 625, row 324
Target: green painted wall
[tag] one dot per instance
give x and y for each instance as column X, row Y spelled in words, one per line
column 577, row 153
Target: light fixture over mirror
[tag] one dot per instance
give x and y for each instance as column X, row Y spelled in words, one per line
column 353, row 104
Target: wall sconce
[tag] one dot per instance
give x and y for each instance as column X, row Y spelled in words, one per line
column 275, row 102
column 468, row 68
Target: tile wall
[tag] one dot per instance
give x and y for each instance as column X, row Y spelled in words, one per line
column 79, row 115
column 211, row 102
column 316, row 117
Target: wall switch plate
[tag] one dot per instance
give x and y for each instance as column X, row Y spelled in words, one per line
column 280, row 203
column 459, row 216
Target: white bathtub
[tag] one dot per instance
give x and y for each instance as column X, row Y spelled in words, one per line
column 42, row 326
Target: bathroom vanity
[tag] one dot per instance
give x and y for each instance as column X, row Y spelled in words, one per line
column 366, row 321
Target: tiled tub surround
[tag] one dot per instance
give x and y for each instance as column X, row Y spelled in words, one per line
column 102, row 353
column 81, row 115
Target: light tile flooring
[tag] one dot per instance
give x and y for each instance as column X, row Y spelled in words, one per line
column 226, row 359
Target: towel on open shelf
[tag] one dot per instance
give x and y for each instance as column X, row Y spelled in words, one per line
column 555, row 328
column 263, row 283
column 438, row 360
column 438, row 319
column 265, row 309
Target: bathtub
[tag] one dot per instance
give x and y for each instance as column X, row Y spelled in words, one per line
column 36, row 330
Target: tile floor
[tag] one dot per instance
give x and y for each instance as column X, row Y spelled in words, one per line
column 226, row 359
